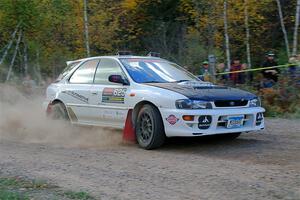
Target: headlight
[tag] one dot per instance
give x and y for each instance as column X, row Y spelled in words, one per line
column 192, row 104
column 254, row 102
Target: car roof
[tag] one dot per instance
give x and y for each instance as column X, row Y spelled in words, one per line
column 114, row 57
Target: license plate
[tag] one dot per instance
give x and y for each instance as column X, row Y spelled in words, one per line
column 235, row 121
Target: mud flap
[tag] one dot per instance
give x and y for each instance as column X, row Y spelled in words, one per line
column 129, row 132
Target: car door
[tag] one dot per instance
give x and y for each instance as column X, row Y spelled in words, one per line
column 77, row 92
column 109, row 99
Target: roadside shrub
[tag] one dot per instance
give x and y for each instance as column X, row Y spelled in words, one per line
column 282, row 100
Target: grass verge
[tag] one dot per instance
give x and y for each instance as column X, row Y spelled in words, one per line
column 16, row 188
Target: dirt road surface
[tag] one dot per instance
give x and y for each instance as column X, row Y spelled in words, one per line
column 255, row 166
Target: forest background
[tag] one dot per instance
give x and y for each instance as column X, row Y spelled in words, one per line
column 37, row 37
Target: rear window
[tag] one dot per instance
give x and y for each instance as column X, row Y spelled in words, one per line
column 67, row 70
column 85, row 73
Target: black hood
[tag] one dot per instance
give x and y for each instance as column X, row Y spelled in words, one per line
column 206, row 92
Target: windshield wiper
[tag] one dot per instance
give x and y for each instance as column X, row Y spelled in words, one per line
column 153, row 82
column 180, row 81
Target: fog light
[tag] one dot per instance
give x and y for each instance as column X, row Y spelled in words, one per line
column 204, row 121
column 188, row 117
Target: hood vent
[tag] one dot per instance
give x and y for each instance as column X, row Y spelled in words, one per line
column 209, row 87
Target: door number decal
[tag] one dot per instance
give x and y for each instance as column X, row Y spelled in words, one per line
column 113, row 95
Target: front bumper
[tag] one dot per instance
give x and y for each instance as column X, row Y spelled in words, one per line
column 179, row 127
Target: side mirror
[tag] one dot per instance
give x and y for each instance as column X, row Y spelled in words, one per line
column 118, row 79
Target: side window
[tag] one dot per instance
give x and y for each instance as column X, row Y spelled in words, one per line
column 106, row 68
column 85, row 73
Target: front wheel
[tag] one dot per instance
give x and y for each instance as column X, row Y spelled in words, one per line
column 149, row 128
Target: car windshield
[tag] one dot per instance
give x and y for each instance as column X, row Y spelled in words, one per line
column 143, row 70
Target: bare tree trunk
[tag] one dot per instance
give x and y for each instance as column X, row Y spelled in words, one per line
column 38, row 68
column 9, row 44
column 283, row 28
column 86, row 29
column 211, row 28
column 21, row 61
column 25, row 56
column 247, row 35
column 14, row 57
column 295, row 40
column 226, row 36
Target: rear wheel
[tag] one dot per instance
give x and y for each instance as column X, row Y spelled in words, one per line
column 59, row 112
column 149, row 128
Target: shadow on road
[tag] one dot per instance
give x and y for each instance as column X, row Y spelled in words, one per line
column 212, row 142
column 256, row 148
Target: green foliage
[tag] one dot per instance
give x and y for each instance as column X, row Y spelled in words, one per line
column 16, row 188
column 8, row 190
column 281, row 56
column 8, row 195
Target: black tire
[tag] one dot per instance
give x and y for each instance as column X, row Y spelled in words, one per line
column 230, row 136
column 149, row 128
column 59, row 112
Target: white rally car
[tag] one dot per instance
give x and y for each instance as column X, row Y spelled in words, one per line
column 163, row 99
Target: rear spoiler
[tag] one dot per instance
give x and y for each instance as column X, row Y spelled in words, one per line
column 77, row 61
column 72, row 62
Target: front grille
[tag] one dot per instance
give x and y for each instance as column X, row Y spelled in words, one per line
column 222, row 120
column 230, row 103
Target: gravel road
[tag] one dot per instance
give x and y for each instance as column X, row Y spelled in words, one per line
column 255, row 166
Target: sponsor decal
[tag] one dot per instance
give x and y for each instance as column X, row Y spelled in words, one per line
column 204, row 121
column 76, row 96
column 172, row 119
column 113, row 95
column 259, row 116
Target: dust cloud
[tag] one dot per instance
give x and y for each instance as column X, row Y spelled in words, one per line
column 22, row 119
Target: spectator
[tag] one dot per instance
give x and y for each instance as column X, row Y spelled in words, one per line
column 221, row 69
column 236, row 78
column 267, row 83
column 294, row 69
column 242, row 75
column 204, row 72
column 271, row 73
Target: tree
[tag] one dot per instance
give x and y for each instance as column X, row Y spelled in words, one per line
column 285, row 35
column 247, row 34
column 157, row 26
column 295, row 40
column 7, row 48
column 14, row 57
column 227, row 47
column 86, row 28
